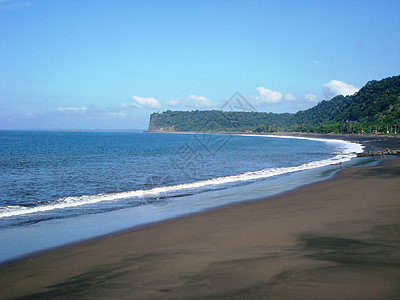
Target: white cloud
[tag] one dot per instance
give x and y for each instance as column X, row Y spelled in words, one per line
column 275, row 101
column 280, row 102
column 81, row 109
column 84, row 117
column 192, row 101
column 118, row 114
column 123, row 105
column 290, row 97
column 266, row 96
column 310, row 97
column 336, row 87
column 143, row 103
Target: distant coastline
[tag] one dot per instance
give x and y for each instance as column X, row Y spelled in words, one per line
column 375, row 108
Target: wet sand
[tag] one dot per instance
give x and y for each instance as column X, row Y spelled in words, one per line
column 334, row 239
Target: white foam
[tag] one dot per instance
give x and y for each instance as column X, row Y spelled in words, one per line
column 349, row 150
column 348, row 146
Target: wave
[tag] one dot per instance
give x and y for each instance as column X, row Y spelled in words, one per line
column 70, row 202
column 348, row 146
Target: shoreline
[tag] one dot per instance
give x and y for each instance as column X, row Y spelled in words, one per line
column 45, row 235
column 379, row 142
column 132, row 249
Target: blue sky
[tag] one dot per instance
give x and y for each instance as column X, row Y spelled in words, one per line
column 109, row 64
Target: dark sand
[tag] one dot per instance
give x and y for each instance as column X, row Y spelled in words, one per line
column 335, row 239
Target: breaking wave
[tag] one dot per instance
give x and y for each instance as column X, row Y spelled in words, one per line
column 349, row 150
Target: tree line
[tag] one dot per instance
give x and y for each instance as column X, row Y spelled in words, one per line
column 375, row 108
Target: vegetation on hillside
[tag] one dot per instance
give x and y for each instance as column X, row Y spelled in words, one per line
column 373, row 109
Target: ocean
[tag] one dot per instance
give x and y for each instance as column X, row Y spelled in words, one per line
column 58, row 187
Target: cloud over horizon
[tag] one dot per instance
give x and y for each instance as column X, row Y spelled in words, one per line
column 84, row 117
column 290, row 97
column 126, row 113
column 142, row 103
column 267, row 96
column 310, row 97
column 81, row 109
column 336, row 87
column 192, row 101
column 279, row 102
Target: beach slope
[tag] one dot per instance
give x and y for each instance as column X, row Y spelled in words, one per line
column 334, row 239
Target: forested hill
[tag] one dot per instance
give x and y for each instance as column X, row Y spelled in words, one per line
column 375, row 107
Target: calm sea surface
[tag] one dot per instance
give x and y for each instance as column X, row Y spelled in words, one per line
column 50, row 178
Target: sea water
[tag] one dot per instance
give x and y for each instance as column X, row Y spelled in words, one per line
column 58, row 187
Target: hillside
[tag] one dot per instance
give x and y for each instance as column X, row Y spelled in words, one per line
column 375, row 107
column 214, row 120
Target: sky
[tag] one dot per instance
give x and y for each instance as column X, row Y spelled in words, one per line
column 110, row 64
